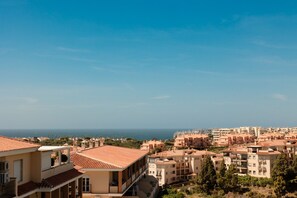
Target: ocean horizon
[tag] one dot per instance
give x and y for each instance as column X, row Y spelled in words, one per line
column 140, row 134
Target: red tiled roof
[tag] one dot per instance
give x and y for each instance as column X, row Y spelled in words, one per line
column 111, row 155
column 27, row 187
column 61, row 178
column 10, row 144
column 268, row 153
column 86, row 162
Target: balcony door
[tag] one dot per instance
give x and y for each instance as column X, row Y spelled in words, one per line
column 18, row 170
column 86, row 184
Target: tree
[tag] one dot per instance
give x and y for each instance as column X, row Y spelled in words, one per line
column 231, row 179
column 207, row 176
column 292, row 175
column 221, row 175
column 280, row 186
column 280, row 175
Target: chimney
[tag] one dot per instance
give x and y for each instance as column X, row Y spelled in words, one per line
column 83, row 145
column 91, row 144
column 102, row 141
column 74, row 141
column 96, row 143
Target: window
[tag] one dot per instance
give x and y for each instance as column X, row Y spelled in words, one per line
column 18, row 170
column 86, row 184
column 254, row 172
column 254, row 165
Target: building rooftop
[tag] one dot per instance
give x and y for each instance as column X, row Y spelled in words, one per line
column 182, row 153
column 264, row 152
column 165, row 162
column 10, row 144
column 107, row 157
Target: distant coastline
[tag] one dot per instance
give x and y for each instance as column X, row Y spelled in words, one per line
column 140, row 134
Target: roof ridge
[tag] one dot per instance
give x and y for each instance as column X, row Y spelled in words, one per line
column 15, row 139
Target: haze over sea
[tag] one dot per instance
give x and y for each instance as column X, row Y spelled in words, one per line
column 140, row 134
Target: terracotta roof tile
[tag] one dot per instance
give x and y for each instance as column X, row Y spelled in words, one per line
column 81, row 161
column 10, row 144
column 27, row 187
column 61, row 178
column 108, row 157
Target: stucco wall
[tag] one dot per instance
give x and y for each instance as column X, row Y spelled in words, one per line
column 99, row 181
column 26, row 166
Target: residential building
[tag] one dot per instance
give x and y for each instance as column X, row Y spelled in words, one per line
column 217, row 133
column 32, row 171
column 152, row 145
column 177, row 165
column 260, row 162
column 199, row 141
column 232, row 139
column 111, row 171
column 270, row 136
column 238, row 157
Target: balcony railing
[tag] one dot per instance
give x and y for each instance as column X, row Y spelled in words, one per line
column 113, row 189
column 56, row 170
column 128, row 182
column 9, row 189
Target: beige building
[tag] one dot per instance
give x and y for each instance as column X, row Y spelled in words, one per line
column 152, row 145
column 270, row 136
column 237, row 157
column 232, row 139
column 257, row 160
column 177, row 165
column 31, row 171
column 194, row 140
column 111, row 171
column 260, row 162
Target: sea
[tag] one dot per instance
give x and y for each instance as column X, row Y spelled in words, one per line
column 139, row 134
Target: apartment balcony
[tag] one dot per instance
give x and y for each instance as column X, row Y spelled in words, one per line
column 9, row 189
column 121, row 188
column 56, row 170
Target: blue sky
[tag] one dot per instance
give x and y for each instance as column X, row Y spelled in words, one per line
column 147, row 64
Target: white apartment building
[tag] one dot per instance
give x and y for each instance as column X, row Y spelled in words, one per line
column 177, row 165
column 258, row 160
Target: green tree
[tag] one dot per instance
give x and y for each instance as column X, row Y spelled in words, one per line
column 292, row 176
column 280, row 175
column 207, row 176
column 231, row 179
column 221, row 175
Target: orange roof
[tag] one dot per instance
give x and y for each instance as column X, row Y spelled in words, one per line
column 59, row 179
column 81, row 161
column 182, row 153
column 27, row 187
column 10, row 144
column 107, row 157
column 268, row 153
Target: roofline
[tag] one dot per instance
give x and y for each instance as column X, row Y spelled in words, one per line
column 102, row 169
column 60, row 185
column 48, row 189
column 53, row 148
column 18, row 151
column 120, row 167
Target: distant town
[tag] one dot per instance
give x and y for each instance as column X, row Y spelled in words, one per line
column 124, row 167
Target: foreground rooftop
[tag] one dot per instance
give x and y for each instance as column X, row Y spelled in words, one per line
column 107, row 157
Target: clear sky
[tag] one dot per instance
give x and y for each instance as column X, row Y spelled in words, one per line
column 148, row 64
